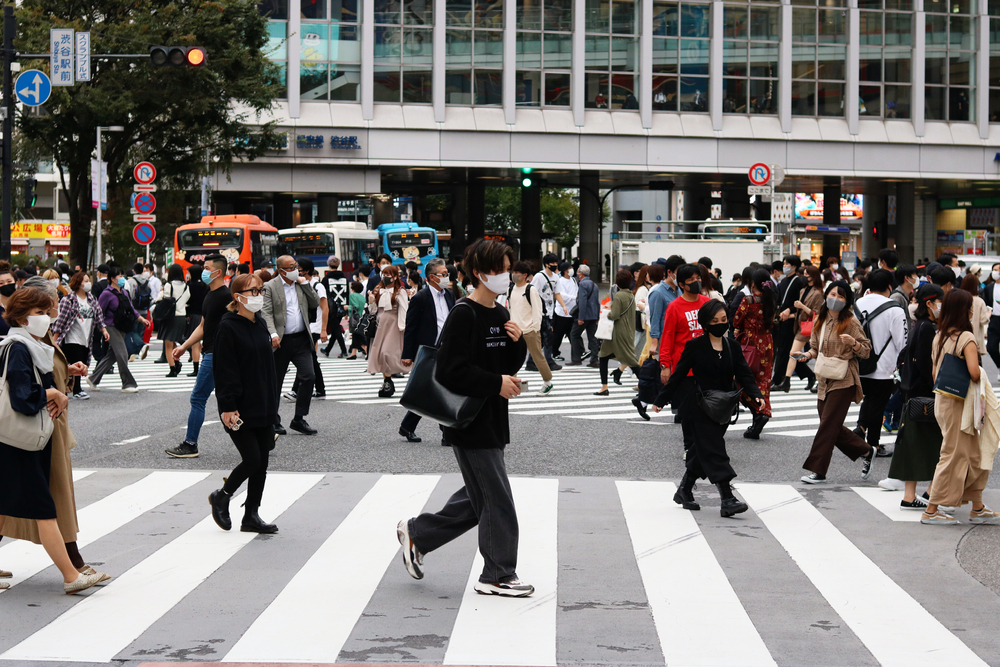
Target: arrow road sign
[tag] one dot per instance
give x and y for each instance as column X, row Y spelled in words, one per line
column 144, row 233
column 144, row 172
column 33, row 87
column 144, row 203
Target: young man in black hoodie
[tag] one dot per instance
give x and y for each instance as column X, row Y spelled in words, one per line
column 337, row 292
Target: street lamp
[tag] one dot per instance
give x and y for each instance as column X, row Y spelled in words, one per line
column 108, row 128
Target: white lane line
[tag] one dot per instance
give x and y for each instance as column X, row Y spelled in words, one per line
column 131, row 440
column 313, row 616
column 608, row 407
column 855, row 586
column 82, row 474
column 100, row 518
column 887, row 502
column 685, row 584
column 531, row 620
column 809, row 433
column 118, row 613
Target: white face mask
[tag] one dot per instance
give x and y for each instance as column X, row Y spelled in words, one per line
column 37, row 325
column 497, row 284
column 834, row 267
column 995, row 275
column 570, row 272
column 292, row 275
column 444, row 282
column 54, row 282
column 87, row 287
column 914, row 282
column 253, row 303
column 146, row 274
column 855, row 286
column 936, row 310
column 913, row 310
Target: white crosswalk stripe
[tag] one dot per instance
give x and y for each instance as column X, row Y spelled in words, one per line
column 315, row 610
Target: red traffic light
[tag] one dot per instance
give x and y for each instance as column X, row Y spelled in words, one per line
column 196, row 56
column 177, row 56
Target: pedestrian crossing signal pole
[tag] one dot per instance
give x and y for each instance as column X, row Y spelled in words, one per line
column 9, row 31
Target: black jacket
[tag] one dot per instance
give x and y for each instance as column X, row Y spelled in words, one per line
column 917, row 374
column 710, row 372
column 790, row 290
column 421, row 321
column 243, row 367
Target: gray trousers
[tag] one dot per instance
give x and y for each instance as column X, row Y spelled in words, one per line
column 116, row 354
column 485, row 500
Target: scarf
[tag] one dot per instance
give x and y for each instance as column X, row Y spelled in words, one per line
column 41, row 354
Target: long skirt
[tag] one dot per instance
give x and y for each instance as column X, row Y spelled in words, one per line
column 958, row 478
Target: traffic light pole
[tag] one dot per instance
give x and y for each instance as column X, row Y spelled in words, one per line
column 9, row 31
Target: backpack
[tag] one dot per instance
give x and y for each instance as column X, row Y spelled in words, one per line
column 527, row 293
column 143, row 297
column 870, row 365
column 124, row 318
column 167, row 306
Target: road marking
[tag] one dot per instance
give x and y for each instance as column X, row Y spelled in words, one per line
column 82, row 474
column 685, row 584
column 313, row 616
column 532, row 620
column 118, row 613
column 887, row 502
column 836, row 567
column 131, row 440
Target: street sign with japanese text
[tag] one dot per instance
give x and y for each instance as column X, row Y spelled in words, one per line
column 83, row 56
column 62, row 55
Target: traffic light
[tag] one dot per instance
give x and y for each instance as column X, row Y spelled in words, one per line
column 177, row 56
column 526, row 177
column 30, row 194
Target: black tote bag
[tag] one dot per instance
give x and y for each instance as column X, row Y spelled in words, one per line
column 953, row 377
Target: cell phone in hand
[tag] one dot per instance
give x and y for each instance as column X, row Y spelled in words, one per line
column 524, row 385
column 236, row 425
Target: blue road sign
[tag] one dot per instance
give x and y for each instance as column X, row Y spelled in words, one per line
column 33, row 87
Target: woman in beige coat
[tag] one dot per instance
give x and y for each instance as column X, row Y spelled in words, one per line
column 389, row 301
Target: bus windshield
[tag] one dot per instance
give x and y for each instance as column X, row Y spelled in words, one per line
column 213, row 237
column 311, row 243
column 400, row 244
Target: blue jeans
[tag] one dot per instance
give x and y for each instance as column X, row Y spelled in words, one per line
column 203, row 388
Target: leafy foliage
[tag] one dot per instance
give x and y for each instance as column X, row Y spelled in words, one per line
column 560, row 213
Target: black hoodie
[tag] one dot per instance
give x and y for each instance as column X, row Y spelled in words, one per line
column 243, row 366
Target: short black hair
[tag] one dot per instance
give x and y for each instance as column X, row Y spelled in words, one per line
column 904, row 271
column 138, row 267
column 357, row 287
column 708, row 311
column 673, row 263
column 549, row 258
column 793, row 260
column 523, row 268
column 385, row 257
column 961, row 263
column 217, row 261
column 706, row 262
column 686, row 271
column 945, row 258
column 114, row 271
column 243, row 269
column 942, row 275
column 880, row 280
column 777, row 265
column 889, row 256
column 306, row 265
column 103, row 268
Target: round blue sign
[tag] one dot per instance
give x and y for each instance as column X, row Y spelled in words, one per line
column 33, row 87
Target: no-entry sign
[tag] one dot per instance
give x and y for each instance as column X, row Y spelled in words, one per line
column 143, row 233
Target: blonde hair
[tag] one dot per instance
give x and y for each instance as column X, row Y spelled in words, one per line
column 238, row 284
column 52, row 274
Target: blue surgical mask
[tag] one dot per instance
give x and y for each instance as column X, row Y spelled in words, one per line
column 121, row 281
column 206, row 276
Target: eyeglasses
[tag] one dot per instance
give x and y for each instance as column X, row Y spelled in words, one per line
column 253, row 291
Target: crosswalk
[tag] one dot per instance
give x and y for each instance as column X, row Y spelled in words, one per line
column 622, row 576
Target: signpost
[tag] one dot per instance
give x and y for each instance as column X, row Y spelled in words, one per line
column 143, row 204
column 144, row 172
column 33, row 88
column 62, row 55
column 144, row 233
column 760, row 174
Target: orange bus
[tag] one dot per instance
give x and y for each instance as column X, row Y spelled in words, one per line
column 238, row 238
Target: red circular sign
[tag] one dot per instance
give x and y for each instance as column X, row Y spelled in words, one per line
column 145, row 203
column 760, row 174
column 144, row 172
column 143, row 233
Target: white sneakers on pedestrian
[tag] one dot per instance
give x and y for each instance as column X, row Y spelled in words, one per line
column 890, row 484
column 514, row 588
column 130, row 390
column 412, row 558
column 546, row 389
column 144, row 351
column 90, row 383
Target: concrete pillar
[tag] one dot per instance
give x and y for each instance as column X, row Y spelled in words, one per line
column 326, row 210
column 905, row 227
column 459, row 220
column 531, row 224
column 381, row 212
column 477, row 208
column 283, row 205
column 590, row 218
column 874, row 217
column 735, row 203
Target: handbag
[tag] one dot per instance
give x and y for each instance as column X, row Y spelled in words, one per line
column 920, row 409
column 752, row 355
column 30, row 433
column 605, row 327
column 166, row 306
column 368, row 325
column 953, row 377
column 427, row 397
column 806, row 327
column 830, row 368
column 720, row 406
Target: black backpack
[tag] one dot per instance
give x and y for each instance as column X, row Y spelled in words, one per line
column 527, row 293
column 143, row 297
column 124, row 318
column 870, row 365
column 167, row 306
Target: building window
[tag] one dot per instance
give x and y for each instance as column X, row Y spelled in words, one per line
column 750, row 58
column 885, row 66
column 403, row 51
column 950, row 64
column 819, row 55
column 994, row 19
column 277, row 51
column 544, row 52
column 276, row 10
column 474, row 52
column 681, row 40
column 611, row 54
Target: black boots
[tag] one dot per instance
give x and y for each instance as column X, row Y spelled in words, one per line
column 219, row 500
column 388, row 389
column 175, row 370
column 685, row 493
column 194, row 373
column 731, row 505
column 252, row 523
column 753, row 431
column 785, row 385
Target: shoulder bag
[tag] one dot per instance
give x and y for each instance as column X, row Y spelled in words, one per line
column 920, row 409
column 720, row 406
column 368, row 324
column 17, row 429
column 830, row 368
column 427, row 397
column 953, row 377
column 167, row 306
column 605, row 327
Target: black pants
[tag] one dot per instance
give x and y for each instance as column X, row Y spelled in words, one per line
column 75, row 353
column 485, row 500
column 877, row 395
column 410, row 421
column 296, row 348
column 254, row 445
column 561, row 327
column 684, row 403
column 783, row 349
column 993, row 339
column 707, row 457
column 336, row 333
column 605, row 361
column 317, row 371
column 576, row 340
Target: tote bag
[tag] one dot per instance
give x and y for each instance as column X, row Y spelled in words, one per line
column 605, row 327
column 953, row 377
column 831, row 368
column 17, row 429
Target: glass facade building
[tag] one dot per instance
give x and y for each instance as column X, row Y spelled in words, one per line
column 917, row 60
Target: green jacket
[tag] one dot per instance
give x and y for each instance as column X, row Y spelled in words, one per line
column 622, row 343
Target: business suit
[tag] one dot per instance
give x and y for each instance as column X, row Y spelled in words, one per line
column 295, row 348
column 421, row 329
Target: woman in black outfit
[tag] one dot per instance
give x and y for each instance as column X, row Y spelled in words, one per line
column 199, row 290
column 480, row 351
column 243, row 367
column 716, row 361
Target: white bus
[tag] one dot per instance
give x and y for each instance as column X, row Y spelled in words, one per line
column 351, row 241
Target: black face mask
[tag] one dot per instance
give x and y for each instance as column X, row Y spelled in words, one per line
column 386, row 280
column 718, row 330
column 693, row 288
column 8, row 290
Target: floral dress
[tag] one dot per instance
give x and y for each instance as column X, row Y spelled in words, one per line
column 750, row 325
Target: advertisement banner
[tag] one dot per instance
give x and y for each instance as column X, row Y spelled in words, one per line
column 809, row 206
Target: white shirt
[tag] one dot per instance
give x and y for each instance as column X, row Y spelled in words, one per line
column 996, row 300
column 317, row 326
column 569, row 289
column 891, row 322
column 293, row 316
column 155, row 287
column 440, row 307
column 79, row 332
column 544, row 285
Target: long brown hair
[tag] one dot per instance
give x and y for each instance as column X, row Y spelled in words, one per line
column 396, row 283
column 817, row 278
column 954, row 316
column 845, row 315
column 970, row 284
column 640, row 280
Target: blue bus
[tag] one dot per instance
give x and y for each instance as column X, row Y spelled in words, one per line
column 408, row 241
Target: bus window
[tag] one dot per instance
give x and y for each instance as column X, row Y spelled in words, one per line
column 410, row 245
column 355, row 253
column 197, row 244
column 746, row 231
column 307, row 244
column 264, row 247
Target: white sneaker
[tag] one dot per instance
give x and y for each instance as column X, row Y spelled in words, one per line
column 546, row 389
column 412, row 558
column 514, row 588
column 90, row 383
column 144, row 351
column 890, row 484
column 290, row 396
column 132, row 358
column 130, row 390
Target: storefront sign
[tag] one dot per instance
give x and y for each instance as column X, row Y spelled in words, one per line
column 309, row 141
column 345, row 143
column 39, row 230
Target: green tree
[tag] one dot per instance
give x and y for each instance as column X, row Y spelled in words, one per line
column 560, row 216
column 173, row 117
column 503, row 209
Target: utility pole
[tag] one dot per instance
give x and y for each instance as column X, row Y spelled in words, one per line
column 9, row 32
